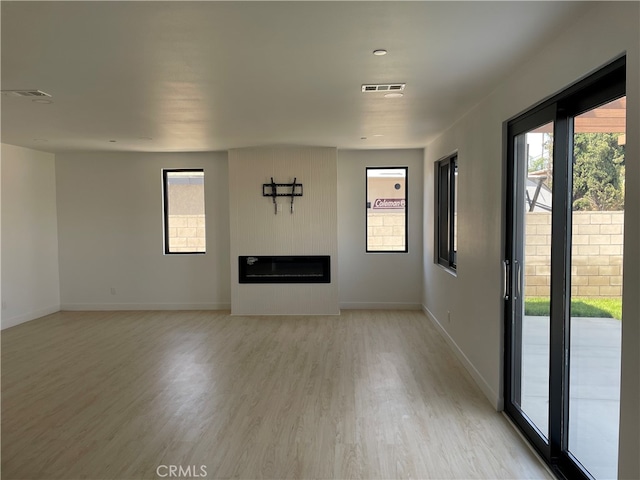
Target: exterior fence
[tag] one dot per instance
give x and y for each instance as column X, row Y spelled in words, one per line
column 187, row 233
column 186, row 218
column 385, row 229
column 596, row 262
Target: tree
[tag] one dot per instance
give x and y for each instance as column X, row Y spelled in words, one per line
column 598, row 172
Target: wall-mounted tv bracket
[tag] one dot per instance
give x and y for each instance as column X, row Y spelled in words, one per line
column 271, row 190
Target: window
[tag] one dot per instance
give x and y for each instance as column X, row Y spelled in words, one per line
column 446, row 215
column 387, row 209
column 184, row 220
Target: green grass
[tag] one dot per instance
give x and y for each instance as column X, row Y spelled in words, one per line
column 601, row 307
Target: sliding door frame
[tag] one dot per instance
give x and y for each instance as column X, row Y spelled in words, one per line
column 602, row 86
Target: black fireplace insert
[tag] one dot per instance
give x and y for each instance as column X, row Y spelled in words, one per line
column 284, row 269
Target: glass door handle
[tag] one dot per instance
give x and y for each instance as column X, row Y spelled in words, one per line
column 506, row 270
column 518, row 272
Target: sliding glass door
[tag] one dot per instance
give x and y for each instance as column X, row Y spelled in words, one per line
column 597, row 225
column 563, row 274
column 530, row 266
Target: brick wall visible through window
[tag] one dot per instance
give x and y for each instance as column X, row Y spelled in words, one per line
column 184, row 214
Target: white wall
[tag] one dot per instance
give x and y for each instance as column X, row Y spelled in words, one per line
column 257, row 230
column 111, row 233
column 474, row 296
column 377, row 280
column 2, row 306
column 30, row 282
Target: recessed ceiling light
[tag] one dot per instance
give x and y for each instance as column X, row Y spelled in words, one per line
column 377, row 135
column 379, row 52
column 42, row 100
column 393, row 95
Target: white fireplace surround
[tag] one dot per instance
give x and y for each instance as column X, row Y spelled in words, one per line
column 310, row 229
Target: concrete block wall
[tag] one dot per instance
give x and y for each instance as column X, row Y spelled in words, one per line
column 596, row 262
column 187, row 218
column 385, row 231
column 187, row 233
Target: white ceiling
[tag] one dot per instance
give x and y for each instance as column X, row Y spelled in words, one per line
column 200, row 76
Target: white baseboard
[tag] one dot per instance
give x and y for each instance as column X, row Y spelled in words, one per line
column 27, row 317
column 495, row 399
column 303, row 314
column 379, row 306
column 143, row 306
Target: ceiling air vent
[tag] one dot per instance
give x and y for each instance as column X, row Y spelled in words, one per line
column 384, row 87
column 25, row 93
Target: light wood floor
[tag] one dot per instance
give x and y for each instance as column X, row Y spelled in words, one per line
column 114, row 395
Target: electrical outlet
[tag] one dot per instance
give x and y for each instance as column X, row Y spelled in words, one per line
column 4, row 305
column 113, row 291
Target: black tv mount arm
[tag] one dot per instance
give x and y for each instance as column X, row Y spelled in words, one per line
column 271, row 190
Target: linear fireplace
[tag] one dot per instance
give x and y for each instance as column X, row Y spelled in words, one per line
column 284, row 269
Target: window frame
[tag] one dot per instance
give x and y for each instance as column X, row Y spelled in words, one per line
column 445, row 207
column 165, row 208
column 406, row 208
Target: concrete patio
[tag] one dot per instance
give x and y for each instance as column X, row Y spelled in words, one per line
column 594, row 387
